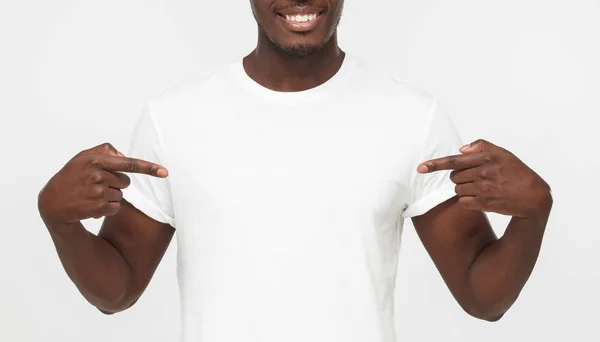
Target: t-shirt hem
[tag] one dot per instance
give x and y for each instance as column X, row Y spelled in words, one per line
column 144, row 205
column 429, row 202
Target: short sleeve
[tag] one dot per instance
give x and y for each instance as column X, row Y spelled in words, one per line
column 432, row 189
column 151, row 195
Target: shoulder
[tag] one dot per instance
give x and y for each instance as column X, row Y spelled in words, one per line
column 176, row 104
column 409, row 104
column 375, row 79
column 200, row 87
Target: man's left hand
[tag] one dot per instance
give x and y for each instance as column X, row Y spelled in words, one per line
column 490, row 178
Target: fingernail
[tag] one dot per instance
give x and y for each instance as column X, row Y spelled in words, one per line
column 162, row 172
column 422, row 168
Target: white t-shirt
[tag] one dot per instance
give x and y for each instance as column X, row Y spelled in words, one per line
column 289, row 206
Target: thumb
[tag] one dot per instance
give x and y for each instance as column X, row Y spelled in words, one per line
column 110, row 149
column 479, row 145
column 106, row 148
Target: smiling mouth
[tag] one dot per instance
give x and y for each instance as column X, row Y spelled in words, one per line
column 300, row 18
column 301, row 21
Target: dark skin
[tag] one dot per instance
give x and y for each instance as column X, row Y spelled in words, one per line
column 112, row 269
column 484, row 273
column 288, row 60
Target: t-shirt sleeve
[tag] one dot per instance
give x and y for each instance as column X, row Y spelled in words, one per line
column 431, row 189
column 151, row 195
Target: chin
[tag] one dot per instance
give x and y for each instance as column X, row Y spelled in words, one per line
column 299, row 50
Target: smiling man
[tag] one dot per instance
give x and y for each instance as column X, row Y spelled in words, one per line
column 290, row 175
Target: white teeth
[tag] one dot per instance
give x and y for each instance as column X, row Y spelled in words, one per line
column 301, row 18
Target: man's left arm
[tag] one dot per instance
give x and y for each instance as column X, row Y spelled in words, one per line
column 484, row 273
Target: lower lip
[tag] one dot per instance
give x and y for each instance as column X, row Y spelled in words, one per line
column 300, row 26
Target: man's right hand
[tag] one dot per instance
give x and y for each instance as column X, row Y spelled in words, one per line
column 90, row 184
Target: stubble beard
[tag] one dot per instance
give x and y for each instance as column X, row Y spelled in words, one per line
column 300, row 50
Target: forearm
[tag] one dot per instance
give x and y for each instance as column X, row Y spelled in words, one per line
column 96, row 268
column 501, row 270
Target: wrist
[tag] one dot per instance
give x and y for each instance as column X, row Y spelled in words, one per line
column 48, row 215
column 540, row 201
column 56, row 226
column 537, row 219
column 544, row 204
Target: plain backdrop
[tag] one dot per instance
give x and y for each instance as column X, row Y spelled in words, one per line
column 524, row 74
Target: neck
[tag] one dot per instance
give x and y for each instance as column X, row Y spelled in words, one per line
column 274, row 69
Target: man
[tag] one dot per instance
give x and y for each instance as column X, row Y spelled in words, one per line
column 290, row 174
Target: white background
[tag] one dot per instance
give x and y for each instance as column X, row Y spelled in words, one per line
column 524, row 74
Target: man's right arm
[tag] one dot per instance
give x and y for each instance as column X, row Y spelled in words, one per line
column 111, row 269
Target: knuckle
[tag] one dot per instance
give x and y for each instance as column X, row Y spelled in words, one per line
column 97, row 191
column 130, row 165
column 484, row 174
column 451, row 161
column 107, row 147
column 481, row 142
column 95, row 162
column 484, row 186
column 96, row 177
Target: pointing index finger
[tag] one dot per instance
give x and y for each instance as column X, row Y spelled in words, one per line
column 455, row 162
column 132, row 165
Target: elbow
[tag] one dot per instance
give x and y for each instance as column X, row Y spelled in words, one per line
column 490, row 311
column 115, row 307
column 116, row 300
column 490, row 316
column 488, row 305
column 111, row 310
column 493, row 318
column 106, row 312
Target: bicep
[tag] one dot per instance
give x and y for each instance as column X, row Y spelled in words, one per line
column 453, row 237
column 141, row 240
